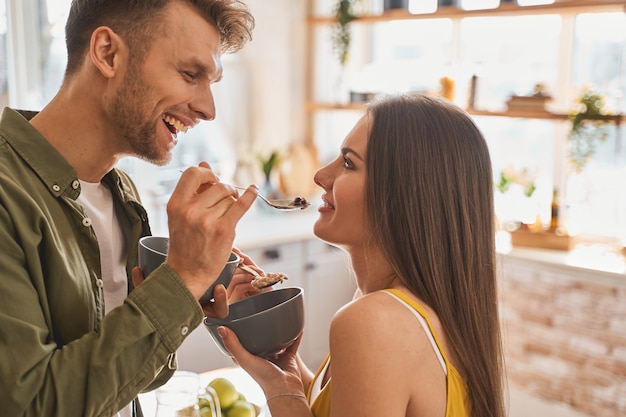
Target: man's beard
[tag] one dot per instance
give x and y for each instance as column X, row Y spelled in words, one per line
column 127, row 110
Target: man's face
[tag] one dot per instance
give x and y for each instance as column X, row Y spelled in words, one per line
column 170, row 90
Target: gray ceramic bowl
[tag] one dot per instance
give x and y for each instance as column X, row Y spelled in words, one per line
column 265, row 323
column 225, row 276
column 153, row 252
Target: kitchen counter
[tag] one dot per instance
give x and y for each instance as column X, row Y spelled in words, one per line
column 597, row 261
column 260, row 229
column 592, row 261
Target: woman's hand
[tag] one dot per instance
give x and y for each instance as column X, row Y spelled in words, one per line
column 278, row 374
column 240, row 287
column 218, row 306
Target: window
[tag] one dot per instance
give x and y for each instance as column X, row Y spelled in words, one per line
column 508, row 59
column 595, row 197
column 509, row 55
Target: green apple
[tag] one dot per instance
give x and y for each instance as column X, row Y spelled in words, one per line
column 241, row 409
column 226, row 392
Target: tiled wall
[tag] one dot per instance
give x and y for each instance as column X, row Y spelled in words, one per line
column 565, row 335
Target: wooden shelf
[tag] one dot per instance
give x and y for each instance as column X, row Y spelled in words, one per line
column 562, row 7
column 529, row 114
column 524, row 114
column 317, row 106
column 534, row 114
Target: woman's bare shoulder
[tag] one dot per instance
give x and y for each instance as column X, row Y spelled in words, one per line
column 374, row 313
column 373, row 305
column 376, row 338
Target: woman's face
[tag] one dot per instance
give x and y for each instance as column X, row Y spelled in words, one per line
column 343, row 215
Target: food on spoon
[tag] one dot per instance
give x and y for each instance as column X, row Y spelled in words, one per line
column 269, row 279
column 299, row 202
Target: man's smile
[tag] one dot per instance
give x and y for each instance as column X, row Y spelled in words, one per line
column 174, row 125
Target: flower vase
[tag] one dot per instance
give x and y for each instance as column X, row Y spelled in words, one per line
column 271, row 192
column 341, row 91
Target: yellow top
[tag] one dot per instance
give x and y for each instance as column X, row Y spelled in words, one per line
column 457, row 402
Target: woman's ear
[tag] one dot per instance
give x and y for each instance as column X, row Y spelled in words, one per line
column 107, row 51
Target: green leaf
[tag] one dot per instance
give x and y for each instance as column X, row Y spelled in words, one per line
column 341, row 36
column 267, row 165
column 588, row 129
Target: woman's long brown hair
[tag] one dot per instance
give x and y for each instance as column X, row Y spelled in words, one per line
column 430, row 203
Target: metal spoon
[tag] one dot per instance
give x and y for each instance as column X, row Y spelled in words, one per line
column 297, row 203
column 263, row 281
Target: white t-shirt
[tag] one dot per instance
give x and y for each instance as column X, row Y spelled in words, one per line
column 97, row 201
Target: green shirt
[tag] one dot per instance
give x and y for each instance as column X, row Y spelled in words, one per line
column 59, row 355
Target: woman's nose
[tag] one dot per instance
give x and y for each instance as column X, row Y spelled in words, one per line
column 321, row 177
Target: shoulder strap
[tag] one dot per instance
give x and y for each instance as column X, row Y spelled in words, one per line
column 315, row 387
column 422, row 317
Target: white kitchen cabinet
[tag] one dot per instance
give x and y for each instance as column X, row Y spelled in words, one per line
column 329, row 285
column 319, row 269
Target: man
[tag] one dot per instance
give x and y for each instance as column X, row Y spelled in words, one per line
column 138, row 72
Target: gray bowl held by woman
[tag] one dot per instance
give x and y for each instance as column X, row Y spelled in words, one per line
column 265, row 323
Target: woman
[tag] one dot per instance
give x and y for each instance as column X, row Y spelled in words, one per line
column 410, row 199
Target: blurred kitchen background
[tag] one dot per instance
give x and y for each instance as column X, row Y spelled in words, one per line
column 520, row 68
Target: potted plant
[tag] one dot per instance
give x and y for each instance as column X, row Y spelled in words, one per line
column 523, row 177
column 341, row 36
column 588, row 119
column 268, row 163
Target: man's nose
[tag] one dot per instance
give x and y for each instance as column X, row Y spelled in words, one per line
column 204, row 104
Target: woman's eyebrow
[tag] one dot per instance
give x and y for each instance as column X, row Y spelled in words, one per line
column 345, row 151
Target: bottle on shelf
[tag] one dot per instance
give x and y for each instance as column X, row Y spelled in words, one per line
column 554, row 211
column 471, row 96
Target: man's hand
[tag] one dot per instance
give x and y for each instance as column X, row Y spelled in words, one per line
column 202, row 215
column 218, row 308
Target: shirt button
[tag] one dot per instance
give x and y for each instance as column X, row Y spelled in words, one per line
column 99, row 283
column 86, row 222
column 56, row 188
column 75, row 184
column 184, row 330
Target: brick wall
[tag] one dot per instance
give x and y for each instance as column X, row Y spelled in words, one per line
column 564, row 333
